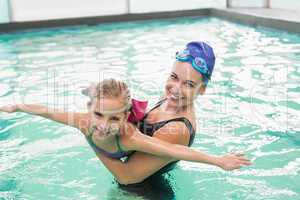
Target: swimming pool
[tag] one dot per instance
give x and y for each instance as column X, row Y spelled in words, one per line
column 252, row 105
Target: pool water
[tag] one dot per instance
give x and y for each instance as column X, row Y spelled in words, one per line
column 251, row 105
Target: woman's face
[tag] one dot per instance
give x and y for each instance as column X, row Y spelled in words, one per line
column 183, row 85
column 108, row 115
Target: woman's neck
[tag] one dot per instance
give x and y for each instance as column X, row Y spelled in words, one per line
column 167, row 107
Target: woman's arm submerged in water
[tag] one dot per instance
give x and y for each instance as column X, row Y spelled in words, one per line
column 77, row 120
column 142, row 165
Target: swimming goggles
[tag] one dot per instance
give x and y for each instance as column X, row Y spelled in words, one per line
column 197, row 62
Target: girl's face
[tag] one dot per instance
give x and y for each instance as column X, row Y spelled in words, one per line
column 183, row 85
column 108, row 115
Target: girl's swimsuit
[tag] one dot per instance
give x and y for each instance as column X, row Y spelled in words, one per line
column 137, row 113
column 116, row 155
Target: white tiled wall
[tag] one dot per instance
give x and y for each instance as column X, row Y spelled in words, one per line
column 247, row 3
column 4, row 15
column 33, row 10
column 141, row 6
column 286, row 4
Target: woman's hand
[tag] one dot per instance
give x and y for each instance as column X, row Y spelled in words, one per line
column 9, row 108
column 233, row 161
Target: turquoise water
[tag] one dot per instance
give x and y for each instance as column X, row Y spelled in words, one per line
column 252, row 105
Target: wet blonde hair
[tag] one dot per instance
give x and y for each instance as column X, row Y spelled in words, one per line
column 110, row 88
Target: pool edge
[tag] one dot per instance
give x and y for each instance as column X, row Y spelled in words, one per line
column 235, row 15
column 257, row 20
column 17, row 26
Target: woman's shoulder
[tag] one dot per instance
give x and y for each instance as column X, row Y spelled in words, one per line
column 174, row 132
column 190, row 116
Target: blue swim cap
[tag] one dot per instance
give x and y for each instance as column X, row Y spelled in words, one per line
column 201, row 56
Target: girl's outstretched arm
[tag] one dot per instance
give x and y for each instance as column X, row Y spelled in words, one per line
column 155, row 146
column 142, row 165
column 77, row 120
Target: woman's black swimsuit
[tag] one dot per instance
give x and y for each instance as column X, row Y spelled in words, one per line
column 151, row 128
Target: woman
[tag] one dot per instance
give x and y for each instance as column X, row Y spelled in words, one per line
column 173, row 119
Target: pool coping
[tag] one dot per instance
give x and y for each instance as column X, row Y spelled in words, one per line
column 260, row 17
column 244, row 16
column 15, row 26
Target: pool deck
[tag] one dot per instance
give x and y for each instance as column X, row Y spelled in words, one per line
column 287, row 20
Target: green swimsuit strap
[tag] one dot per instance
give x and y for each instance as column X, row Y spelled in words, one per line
column 89, row 137
column 90, row 133
column 118, row 144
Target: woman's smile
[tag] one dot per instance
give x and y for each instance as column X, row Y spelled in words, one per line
column 173, row 97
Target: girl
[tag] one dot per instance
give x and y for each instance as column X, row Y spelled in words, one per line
column 106, row 128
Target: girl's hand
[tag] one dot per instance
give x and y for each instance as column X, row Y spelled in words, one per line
column 233, row 161
column 9, row 108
